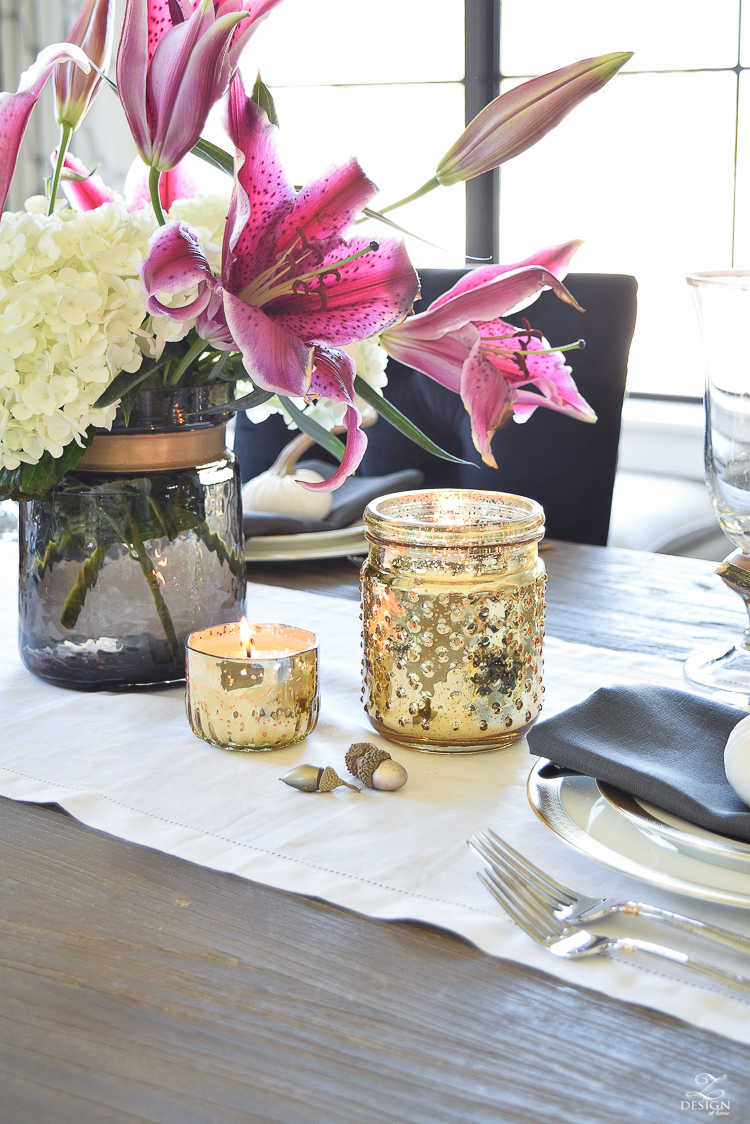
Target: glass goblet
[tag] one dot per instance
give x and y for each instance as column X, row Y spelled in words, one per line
column 722, row 299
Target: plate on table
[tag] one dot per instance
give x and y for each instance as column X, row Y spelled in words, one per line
column 677, row 834
column 318, row 544
column 574, row 809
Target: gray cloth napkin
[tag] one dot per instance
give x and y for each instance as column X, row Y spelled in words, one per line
column 349, row 502
column 663, row 745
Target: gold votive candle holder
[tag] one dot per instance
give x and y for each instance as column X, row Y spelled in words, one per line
column 453, row 618
column 252, row 698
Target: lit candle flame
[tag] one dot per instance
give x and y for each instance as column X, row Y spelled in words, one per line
column 246, row 638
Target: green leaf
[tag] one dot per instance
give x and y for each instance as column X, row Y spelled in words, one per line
column 321, row 436
column 36, row 479
column 212, row 154
column 246, row 402
column 127, row 380
column 402, row 423
column 127, row 402
column 261, row 95
column 370, row 213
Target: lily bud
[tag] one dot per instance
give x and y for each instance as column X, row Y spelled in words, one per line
column 15, row 109
column 517, row 120
column 74, row 90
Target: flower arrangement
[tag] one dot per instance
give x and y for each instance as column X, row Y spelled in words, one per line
column 267, row 289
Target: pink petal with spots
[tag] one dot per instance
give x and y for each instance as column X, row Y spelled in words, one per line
column 360, row 299
column 86, row 194
column 325, row 208
column 441, row 359
column 554, row 258
column 547, row 371
column 176, row 263
column 356, row 443
column 274, row 358
column 262, row 196
column 486, row 302
column 333, row 375
column 488, row 399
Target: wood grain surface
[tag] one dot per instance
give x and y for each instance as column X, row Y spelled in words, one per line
column 137, row 987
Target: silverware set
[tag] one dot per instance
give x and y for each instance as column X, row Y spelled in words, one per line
column 555, row 916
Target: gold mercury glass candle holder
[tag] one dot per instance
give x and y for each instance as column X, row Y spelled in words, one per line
column 453, row 618
column 252, row 695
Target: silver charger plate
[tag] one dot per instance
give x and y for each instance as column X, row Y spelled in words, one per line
column 573, row 808
column 306, row 547
column 674, row 832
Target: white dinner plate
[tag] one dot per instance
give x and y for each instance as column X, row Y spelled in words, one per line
column 317, row 544
column 674, row 832
column 574, row 809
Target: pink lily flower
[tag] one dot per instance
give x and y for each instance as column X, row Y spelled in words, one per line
column 292, row 290
column 15, row 109
column 92, row 32
column 175, row 60
column 461, row 343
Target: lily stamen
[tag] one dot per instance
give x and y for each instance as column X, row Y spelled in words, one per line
column 490, row 346
column 257, row 294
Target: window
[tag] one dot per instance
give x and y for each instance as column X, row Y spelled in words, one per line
column 653, row 172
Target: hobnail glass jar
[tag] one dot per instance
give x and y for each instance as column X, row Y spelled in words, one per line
column 453, row 618
column 138, row 547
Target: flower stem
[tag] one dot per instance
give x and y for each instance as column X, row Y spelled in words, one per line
column 85, row 581
column 194, row 351
column 152, row 579
column 154, row 176
column 429, row 186
column 66, row 132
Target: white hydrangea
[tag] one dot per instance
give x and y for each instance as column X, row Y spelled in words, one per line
column 70, row 307
column 73, row 315
column 370, row 360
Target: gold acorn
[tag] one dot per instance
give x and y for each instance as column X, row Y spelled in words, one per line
column 353, row 754
column 313, row 778
column 369, row 762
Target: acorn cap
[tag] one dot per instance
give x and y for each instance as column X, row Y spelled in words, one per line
column 355, row 752
column 369, row 762
column 329, row 779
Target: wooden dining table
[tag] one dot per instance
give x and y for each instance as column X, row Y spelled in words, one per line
column 135, row 986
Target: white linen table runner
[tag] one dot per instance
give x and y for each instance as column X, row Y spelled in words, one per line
column 129, row 765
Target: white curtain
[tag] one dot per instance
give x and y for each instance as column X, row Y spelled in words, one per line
column 25, row 27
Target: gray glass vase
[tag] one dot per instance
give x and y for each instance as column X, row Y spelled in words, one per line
column 135, row 549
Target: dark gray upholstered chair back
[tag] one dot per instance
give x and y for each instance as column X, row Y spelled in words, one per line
column 565, row 464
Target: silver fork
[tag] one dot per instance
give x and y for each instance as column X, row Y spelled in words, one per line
column 576, row 909
column 577, row 944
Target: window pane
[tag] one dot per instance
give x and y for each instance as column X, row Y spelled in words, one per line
column 745, row 41
column 323, row 125
column 643, row 171
column 347, row 41
column 742, row 227
column 542, row 35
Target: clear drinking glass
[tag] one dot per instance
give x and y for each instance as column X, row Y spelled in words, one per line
column 723, row 303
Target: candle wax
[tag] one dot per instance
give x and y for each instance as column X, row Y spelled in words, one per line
column 229, row 647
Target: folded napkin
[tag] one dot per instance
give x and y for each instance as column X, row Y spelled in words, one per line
column 662, row 745
column 349, row 502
